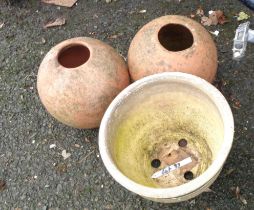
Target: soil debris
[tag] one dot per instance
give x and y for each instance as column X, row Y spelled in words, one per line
column 61, row 168
column 237, row 193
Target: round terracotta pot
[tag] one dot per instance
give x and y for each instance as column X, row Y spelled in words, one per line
column 173, row 43
column 77, row 80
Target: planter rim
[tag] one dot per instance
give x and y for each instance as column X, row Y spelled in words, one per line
column 174, row 192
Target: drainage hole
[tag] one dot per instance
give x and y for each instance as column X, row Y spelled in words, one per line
column 182, row 142
column 188, row 175
column 156, row 163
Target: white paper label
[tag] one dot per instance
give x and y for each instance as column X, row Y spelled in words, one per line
column 172, row 167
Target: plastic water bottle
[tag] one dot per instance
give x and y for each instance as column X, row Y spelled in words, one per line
column 249, row 3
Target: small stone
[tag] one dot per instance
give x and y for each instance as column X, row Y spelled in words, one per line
column 142, row 11
column 51, row 146
column 65, row 154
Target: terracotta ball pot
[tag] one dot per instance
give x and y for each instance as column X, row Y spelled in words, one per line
column 173, row 43
column 78, row 79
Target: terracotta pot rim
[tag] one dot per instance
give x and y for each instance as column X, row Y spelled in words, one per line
column 174, row 22
column 79, row 41
column 199, row 182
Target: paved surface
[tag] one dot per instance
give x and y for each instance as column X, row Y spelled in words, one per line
column 35, row 176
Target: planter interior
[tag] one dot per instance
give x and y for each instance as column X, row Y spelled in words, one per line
column 161, row 124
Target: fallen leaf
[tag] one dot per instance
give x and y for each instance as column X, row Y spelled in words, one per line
column 2, row 185
column 242, row 16
column 236, row 102
column 200, row 12
column 208, row 190
column 113, row 37
column 221, row 17
column 1, row 25
column 230, row 171
column 192, row 15
column 87, row 140
column 65, row 154
column 57, row 22
column 64, row 3
column 206, row 21
column 237, row 192
column 215, row 18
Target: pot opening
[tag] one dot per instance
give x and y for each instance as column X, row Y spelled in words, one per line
column 73, row 56
column 170, row 136
column 175, row 37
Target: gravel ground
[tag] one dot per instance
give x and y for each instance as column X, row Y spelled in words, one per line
column 33, row 176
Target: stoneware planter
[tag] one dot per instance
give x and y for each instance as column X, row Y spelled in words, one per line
column 159, row 121
column 78, row 79
column 173, row 43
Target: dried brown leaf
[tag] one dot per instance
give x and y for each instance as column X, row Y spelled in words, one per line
column 237, row 192
column 220, row 17
column 113, row 36
column 192, row 15
column 206, row 21
column 57, row 22
column 200, row 12
column 208, row 190
column 230, row 171
column 64, row 3
column 2, row 185
column 87, row 140
column 213, row 18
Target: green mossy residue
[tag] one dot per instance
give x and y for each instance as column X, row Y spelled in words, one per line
column 150, row 125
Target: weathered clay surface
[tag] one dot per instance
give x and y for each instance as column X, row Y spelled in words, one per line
column 79, row 96
column 147, row 56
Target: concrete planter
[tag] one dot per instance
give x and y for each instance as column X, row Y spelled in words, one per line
column 159, row 121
